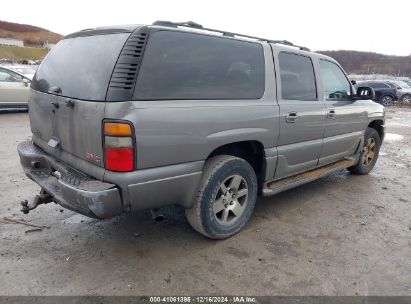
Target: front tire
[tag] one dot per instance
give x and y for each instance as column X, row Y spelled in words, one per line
column 406, row 98
column 226, row 197
column 369, row 153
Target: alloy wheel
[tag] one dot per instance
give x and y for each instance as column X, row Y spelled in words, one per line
column 369, row 151
column 231, row 199
column 386, row 101
column 406, row 98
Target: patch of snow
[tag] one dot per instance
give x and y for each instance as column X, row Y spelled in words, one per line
column 393, row 137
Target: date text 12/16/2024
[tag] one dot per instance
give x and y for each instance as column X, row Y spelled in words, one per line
column 201, row 299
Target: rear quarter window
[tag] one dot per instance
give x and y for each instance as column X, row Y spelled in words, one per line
column 179, row 65
column 381, row 85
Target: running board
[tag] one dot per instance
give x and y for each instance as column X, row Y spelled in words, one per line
column 287, row 183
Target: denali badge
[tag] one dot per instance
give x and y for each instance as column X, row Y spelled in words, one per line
column 92, row 157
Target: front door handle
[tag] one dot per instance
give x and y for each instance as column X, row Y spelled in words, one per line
column 331, row 114
column 291, row 117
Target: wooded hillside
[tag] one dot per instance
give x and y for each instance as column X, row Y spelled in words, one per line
column 31, row 35
column 355, row 62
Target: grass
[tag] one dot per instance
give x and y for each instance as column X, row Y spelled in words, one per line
column 31, row 53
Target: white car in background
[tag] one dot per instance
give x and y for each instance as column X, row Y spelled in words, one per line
column 26, row 71
column 14, row 89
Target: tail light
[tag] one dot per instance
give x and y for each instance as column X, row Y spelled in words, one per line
column 119, row 150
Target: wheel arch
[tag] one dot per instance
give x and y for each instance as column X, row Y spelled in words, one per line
column 378, row 125
column 250, row 150
column 387, row 94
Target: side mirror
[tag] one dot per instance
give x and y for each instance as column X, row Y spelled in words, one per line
column 26, row 82
column 365, row 93
column 353, row 82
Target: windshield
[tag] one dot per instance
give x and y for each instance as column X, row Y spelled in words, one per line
column 80, row 67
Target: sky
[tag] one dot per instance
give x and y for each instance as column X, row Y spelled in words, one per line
column 362, row 25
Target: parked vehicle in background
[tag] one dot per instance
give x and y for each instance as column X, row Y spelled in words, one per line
column 174, row 113
column 403, row 90
column 5, row 61
column 27, row 62
column 384, row 93
column 26, row 71
column 407, row 82
column 14, row 89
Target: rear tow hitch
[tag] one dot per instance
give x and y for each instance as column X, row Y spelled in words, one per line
column 42, row 198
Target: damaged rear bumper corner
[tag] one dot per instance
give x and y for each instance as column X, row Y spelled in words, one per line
column 69, row 187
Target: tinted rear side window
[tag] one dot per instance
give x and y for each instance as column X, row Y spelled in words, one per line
column 81, row 67
column 297, row 77
column 377, row 85
column 180, row 65
column 381, row 85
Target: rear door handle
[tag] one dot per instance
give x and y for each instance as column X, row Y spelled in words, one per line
column 331, row 114
column 291, row 117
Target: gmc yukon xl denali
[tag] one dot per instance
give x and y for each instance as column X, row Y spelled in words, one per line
column 127, row 118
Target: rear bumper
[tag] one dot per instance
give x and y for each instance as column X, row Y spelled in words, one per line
column 69, row 187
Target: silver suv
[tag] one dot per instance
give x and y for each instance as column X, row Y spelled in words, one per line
column 127, row 118
column 403, row 90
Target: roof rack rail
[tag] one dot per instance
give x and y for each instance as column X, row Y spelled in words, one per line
column 191, row 24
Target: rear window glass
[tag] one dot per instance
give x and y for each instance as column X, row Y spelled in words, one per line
column 190, row 66
column 80, row 67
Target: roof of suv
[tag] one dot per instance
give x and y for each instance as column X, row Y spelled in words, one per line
column 196, row 28
column 181, row 26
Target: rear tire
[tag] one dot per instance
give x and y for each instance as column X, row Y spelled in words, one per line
column 386, row 100
column 225, row 199
column 369, row 153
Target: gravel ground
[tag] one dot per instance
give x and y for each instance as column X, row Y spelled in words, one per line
column 340, row 235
